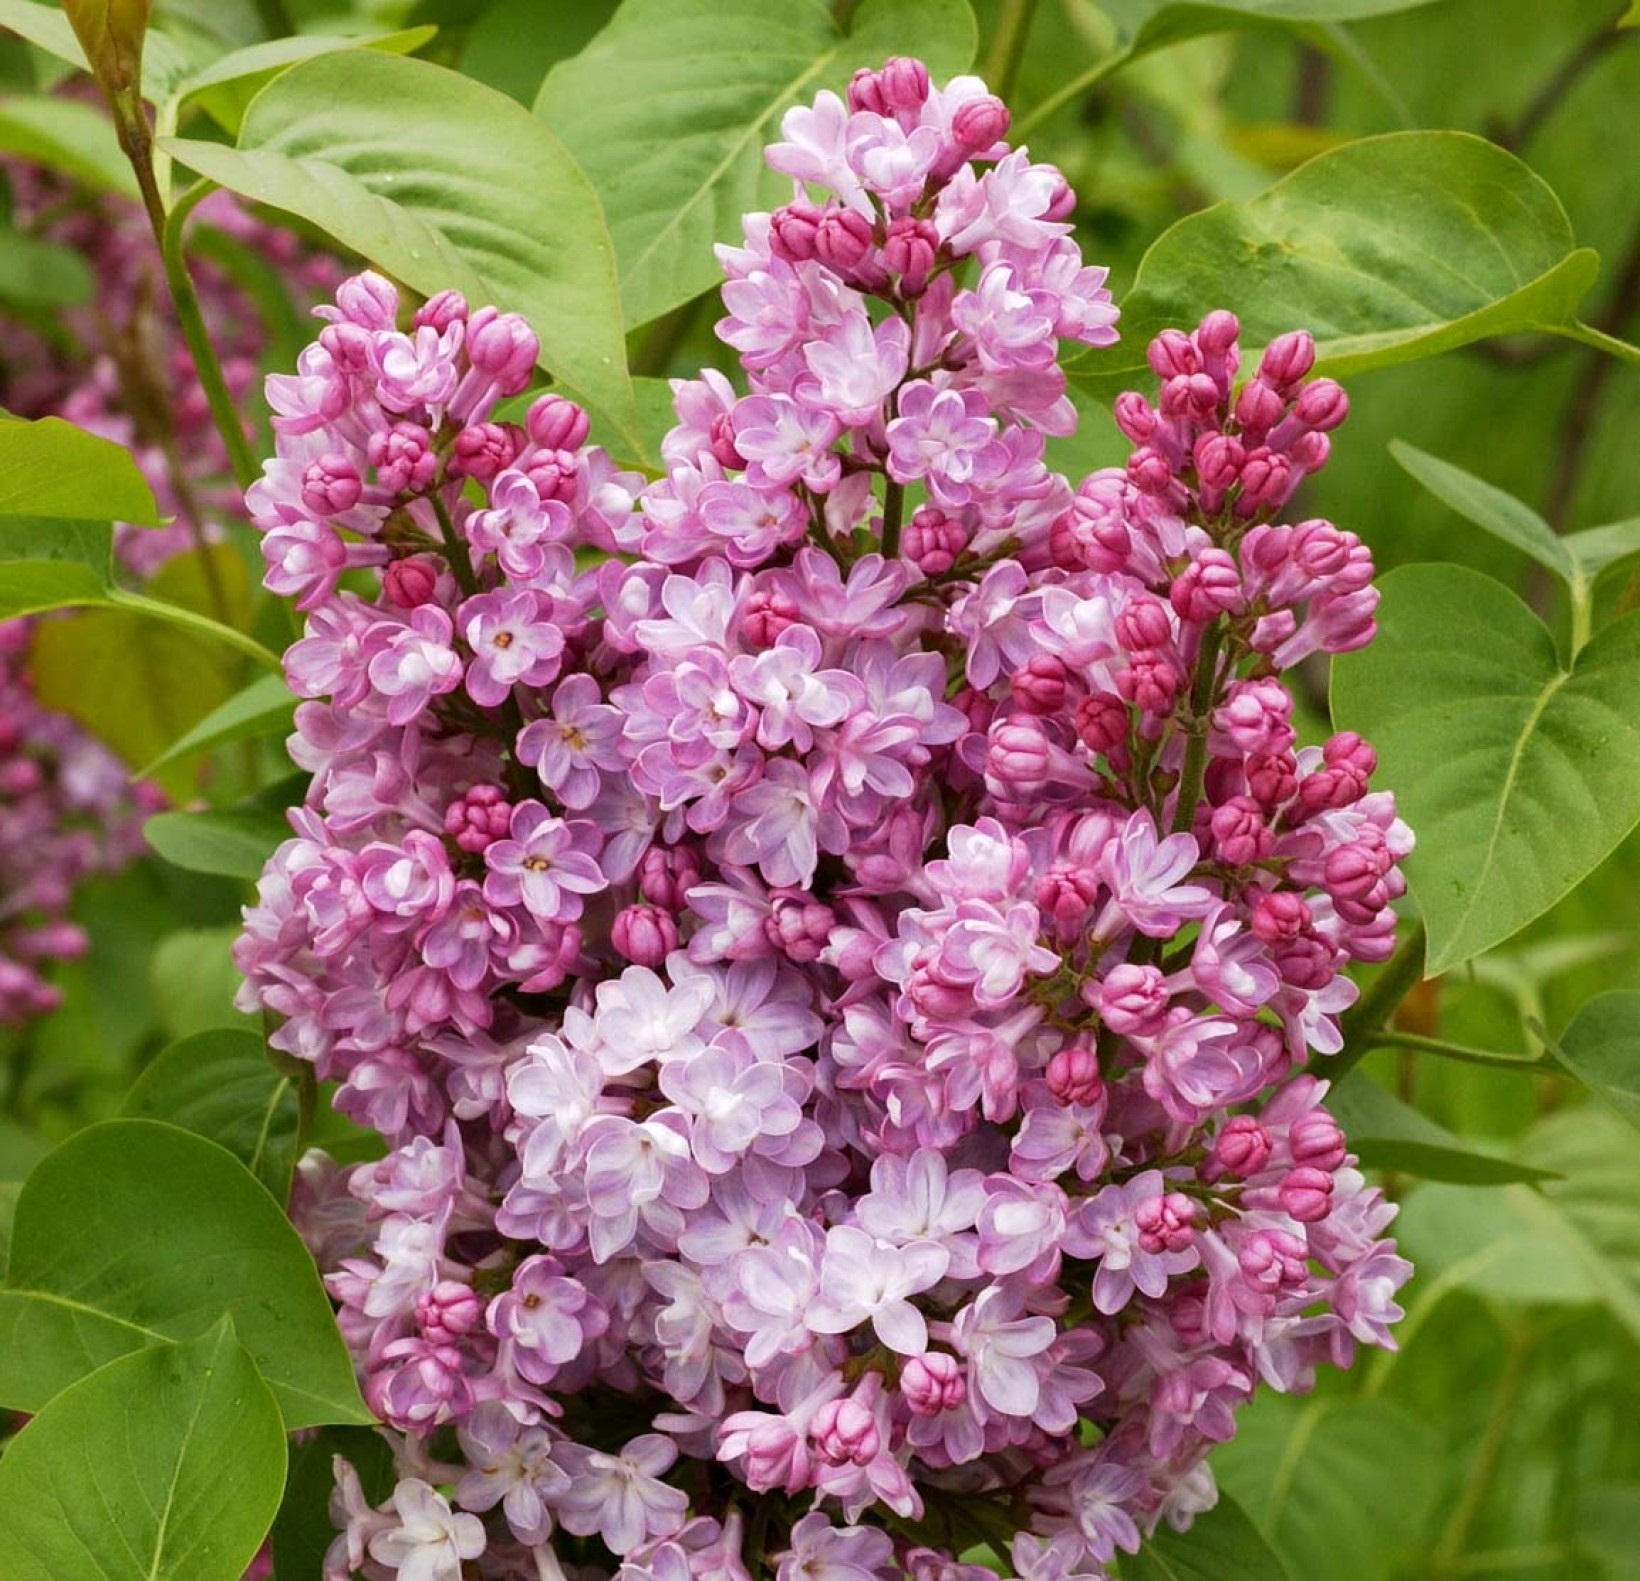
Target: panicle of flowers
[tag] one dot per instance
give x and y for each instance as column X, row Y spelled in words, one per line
column 832, row 936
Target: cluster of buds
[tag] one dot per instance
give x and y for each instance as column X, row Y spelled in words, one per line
column 831, row 935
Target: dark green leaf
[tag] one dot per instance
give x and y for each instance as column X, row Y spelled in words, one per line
column 220, row 1085
column 133, row 1232
column 51, row 468
column 1517, row 776
column 227, row 841
column 165, row 1465
column 514, row 43
column 303, row 1531
column 1389, row 1134
column 415, row 167
column 1222, row 1545
column 264, row 708
column 1601, row 1047
column 669, row 107
column 1387, row 249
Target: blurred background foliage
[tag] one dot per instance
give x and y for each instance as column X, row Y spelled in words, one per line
column 1501, row 1442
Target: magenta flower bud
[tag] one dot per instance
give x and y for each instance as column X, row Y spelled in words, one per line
column 1306, row 962
column 721, row 438
column 1273, row 1260
column 349, row 347
column 979, row 123
column 1189, row 395
column 1061, row 202
column 1150, row 682
column 666, row 874
column 478, row 818
column 1322, row 405
column 1259, row 408
column 1217, row 333
column 902, row 85
column 845, row 1433
column 410, row 583
column 1242, row 1148
column 1279, row 916
column 933, row 1382
column 843, row 240
column 557, row 424
column 1165, row 1224
column 1306, row 1194
column 1132, row 999
column 482, row 450
column 1218, row 460
column 1255, row 718
column 799, row 926
column 1274, row 779
column 1144, row 624
column 1353, row 872
column 403, row 457
column 1073, row 1075
column 448, row 1311
column 1266, row 481
column 1150, row 471
column 932, row 540
column 644, row 934
column 441, row 311
column 1315, row 1140
column 554, row 474
column 768, row 613
column 1240, row 834
column 792, row 231
column 1172, row 354
column 1020, row 755
column 910, row 248
column 1090, row 536
column 1102, row 721
column 368, row 300
column 1039, row 686
column 1309, row 452
column 503, row 347
column 58, row 940
column 1208, row 587
column 1067, row 893
column 1135, row 416
column 1287, row 359
column 331, row 486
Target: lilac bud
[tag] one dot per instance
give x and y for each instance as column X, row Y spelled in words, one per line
column 1066, row 893
column 1209, row 586
column 792, row 231
column 441, row 311
column 1144, row 624
column 845, row 1433
column 1102, row 721
column 769, row 611
column 932, row 540
column 482, row 450
column 1090, row 536
column 1306, row 1194
column 555, row 474
column 902, row 85
column 331, row 486
column 1217, row 333
column 644, row 934
column 1218, row 460
column 349, row 347
column 1287, row 359
column 666, row 874
column 1306, row 962
column 1135, row 416
column 557, row 424
column 1242, row 1148
column 503, row 347
column 1073, row 1075
column 1316, row 1140
column 448, row 1311
column 1189, row 395
column 799, row 926
column 1061, row 202
column 478, row 817
column 1151, row 681
column 410, row 583
column 1150, row 471
column 1133, row 999
column 403, row 457
column 1038, row 687
column 933, row 1382
column 368, row 300
column 721, row 438
column 1259, row 408
column 980, row 123
column 1255, row 718
column 1240, row 834
column 1019, row 755
column 1322, row 405
column 910, row 249
column 1309, row 452
column 1266, row 481
column 1172, row 354
column 1274, row 779
column 843, row 240
column 1165, row 1224
column 1279, row 916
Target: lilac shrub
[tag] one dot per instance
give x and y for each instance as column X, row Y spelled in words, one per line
column 832, row 937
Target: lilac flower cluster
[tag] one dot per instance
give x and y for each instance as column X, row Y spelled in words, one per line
column 830, row 935
column 67, row 811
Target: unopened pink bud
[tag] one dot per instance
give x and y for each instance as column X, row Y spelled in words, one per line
column 482, row 450
column 666, row 874
column 1279, row 916
column 1259, row 408
column 1135, row 416
column 1274, row 779
column 1217, row 333
column 1150, row 471
column 979, row 123
column 843, row 240
column 768, row 613
column 1039, row 685
column 910, row 249
column 1073, row 1075
column 1287, row 359
column 478, row 818
column 1102, row 721
column 845, row 1432
column 1306, row 1194
column 1240, row 834
column 1218, row 460
column 792, row 230
column 368, row 300
column 1242, row 1148
column 799, row 926
column 331, row 486
column 411, row 583
column 933, row 1382
column 1165, row 1224
column 1019, row 755
column 441, row 311
column 1209, row 586
column 1151, row 681
column 1316, row 1140
column 1322, row 405
column 1144, row 624
column 1173, row 354
column 557, row 424
column 448, row 1311
column 1133, row 999
column 503, row 347
column 932, row 540
column 645, row 935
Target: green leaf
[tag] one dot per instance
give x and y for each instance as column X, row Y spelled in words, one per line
column 51, row 468
column 20, row 1151
column 9, row 1192
column 1601, row 1047
column 1389, row 1134
column 1145, row 25
column 229, row 841
column 1339, row 1487
column 1570, row 1242
column 1387, row 249
column 36, row 274
column 417, row 168
column 133, row 1232
column 1596, row 548
column 194, row 980
column 1221, row 1545
column 225, row 88
column 166, row 1465
column 68, row 136
column 220, row 1085
column 44, row 26
column 264, row 708
column 53, row 565
column 303, row 1531
column 668, row 110
column 513, row 45
column 1518, row 776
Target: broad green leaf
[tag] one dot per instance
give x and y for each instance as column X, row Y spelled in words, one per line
column 236, row 843
column 1389, row 1134
column 132, row 1232
column 1498, row 512
column 225, row 88
column 20, row 1151
column 417, row 168
column 264, row 708
column 1518, row 776
column 166, row 1465
column 1221, row 1545
column 51, row 468
column 513, row 45
column 1387, row 249
column 66, row 135
column 669, row 107
column 1596, row 548
column 1340, row 1487
column 9, row 1192
column 1144, row 25
column 219, row 1085
column 303, row 1531
column 1601, row 1047
column 36, row 274
column 194, row 980
column 53, row 565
